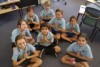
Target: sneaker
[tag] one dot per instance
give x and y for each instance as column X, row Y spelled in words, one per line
column 41, row 53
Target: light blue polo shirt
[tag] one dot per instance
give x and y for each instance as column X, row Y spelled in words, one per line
column 49, row 36
column 45, row 13
column 35, row 18
column 18, row 53
column 75, row 27
column 60, row 23
column 85, row 50
column 16, row 32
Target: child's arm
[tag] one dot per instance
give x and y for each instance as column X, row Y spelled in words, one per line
column 17, row 63
column 73, row 31
column 31, row 19
column 44, row 39
column 35, row 54
column 79, row 56
column 84, row 58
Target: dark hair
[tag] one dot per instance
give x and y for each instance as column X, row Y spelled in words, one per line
column 59, row 10
column 44, row 25
column 20, row 22
column 18, row 37
column 82, row 35
column 73, row 17
column 29, row 8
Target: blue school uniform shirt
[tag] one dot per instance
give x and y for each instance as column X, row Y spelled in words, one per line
column 16, row 32
column 75, row 27
column 35, row 18
column 49, row 36
column 45, row 13
column 85, row 50
column 18, row 53
column 60, row 23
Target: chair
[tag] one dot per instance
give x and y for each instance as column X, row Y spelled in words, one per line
column 96, row 30
column 91, row 21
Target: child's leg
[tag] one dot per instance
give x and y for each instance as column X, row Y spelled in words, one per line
column 65, row 60
column 64, row 36
column 85, row 64
column 36, row 62
column 74, row 38
column 78, row 65
column 36, row 27
column 39, row 48
column 57, row 49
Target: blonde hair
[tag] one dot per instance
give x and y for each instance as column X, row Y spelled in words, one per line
column 47, row 3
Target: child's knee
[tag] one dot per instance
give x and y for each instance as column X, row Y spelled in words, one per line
column 39, row 62
column 57, row 49
column 63, row 59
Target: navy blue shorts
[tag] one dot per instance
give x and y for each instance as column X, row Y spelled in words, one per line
column 55, row 32
column 70, row 34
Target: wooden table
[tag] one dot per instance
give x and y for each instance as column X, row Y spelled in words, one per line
column 10, row 9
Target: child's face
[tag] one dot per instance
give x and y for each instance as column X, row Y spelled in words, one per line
column 21, row 43
column 44, row 30
column 58, row 15
column 23, row 26
column 81, row 41
column 30, row 13
column 73, row 21
column 47, row 7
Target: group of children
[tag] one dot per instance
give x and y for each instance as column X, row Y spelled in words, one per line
column 51, row 28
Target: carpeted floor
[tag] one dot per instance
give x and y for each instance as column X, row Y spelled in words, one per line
column 9, row 21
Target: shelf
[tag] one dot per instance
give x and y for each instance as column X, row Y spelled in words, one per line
column 9, row 2
column 8, row 10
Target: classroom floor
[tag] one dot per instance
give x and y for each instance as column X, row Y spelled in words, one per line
column 9, row 21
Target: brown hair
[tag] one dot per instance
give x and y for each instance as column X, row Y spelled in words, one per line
column 59, row 10
column 82, row 35
column 18, row 38
column 73, row 17
column 20, row 22
column 44, row 25
column 29, row 8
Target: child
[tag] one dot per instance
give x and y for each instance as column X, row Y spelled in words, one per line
column 47, row 13
column 22, row 30
column 72, row 30
column 78, row 53
column 24, row 54
column 45, row 39
column 57, row 24
column 32, row 19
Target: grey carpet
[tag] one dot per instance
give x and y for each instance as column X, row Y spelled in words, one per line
column 9, row 21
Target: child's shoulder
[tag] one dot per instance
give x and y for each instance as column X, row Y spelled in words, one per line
column 15, row 30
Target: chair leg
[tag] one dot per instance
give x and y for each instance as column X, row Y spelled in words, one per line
column 80, row 23
column 93, row 31
column 64, row 1
column 94, row 35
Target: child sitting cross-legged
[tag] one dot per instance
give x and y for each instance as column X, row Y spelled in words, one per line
column 24, row 54
column 46, row 41
column 78, row 53
column 72, row 30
